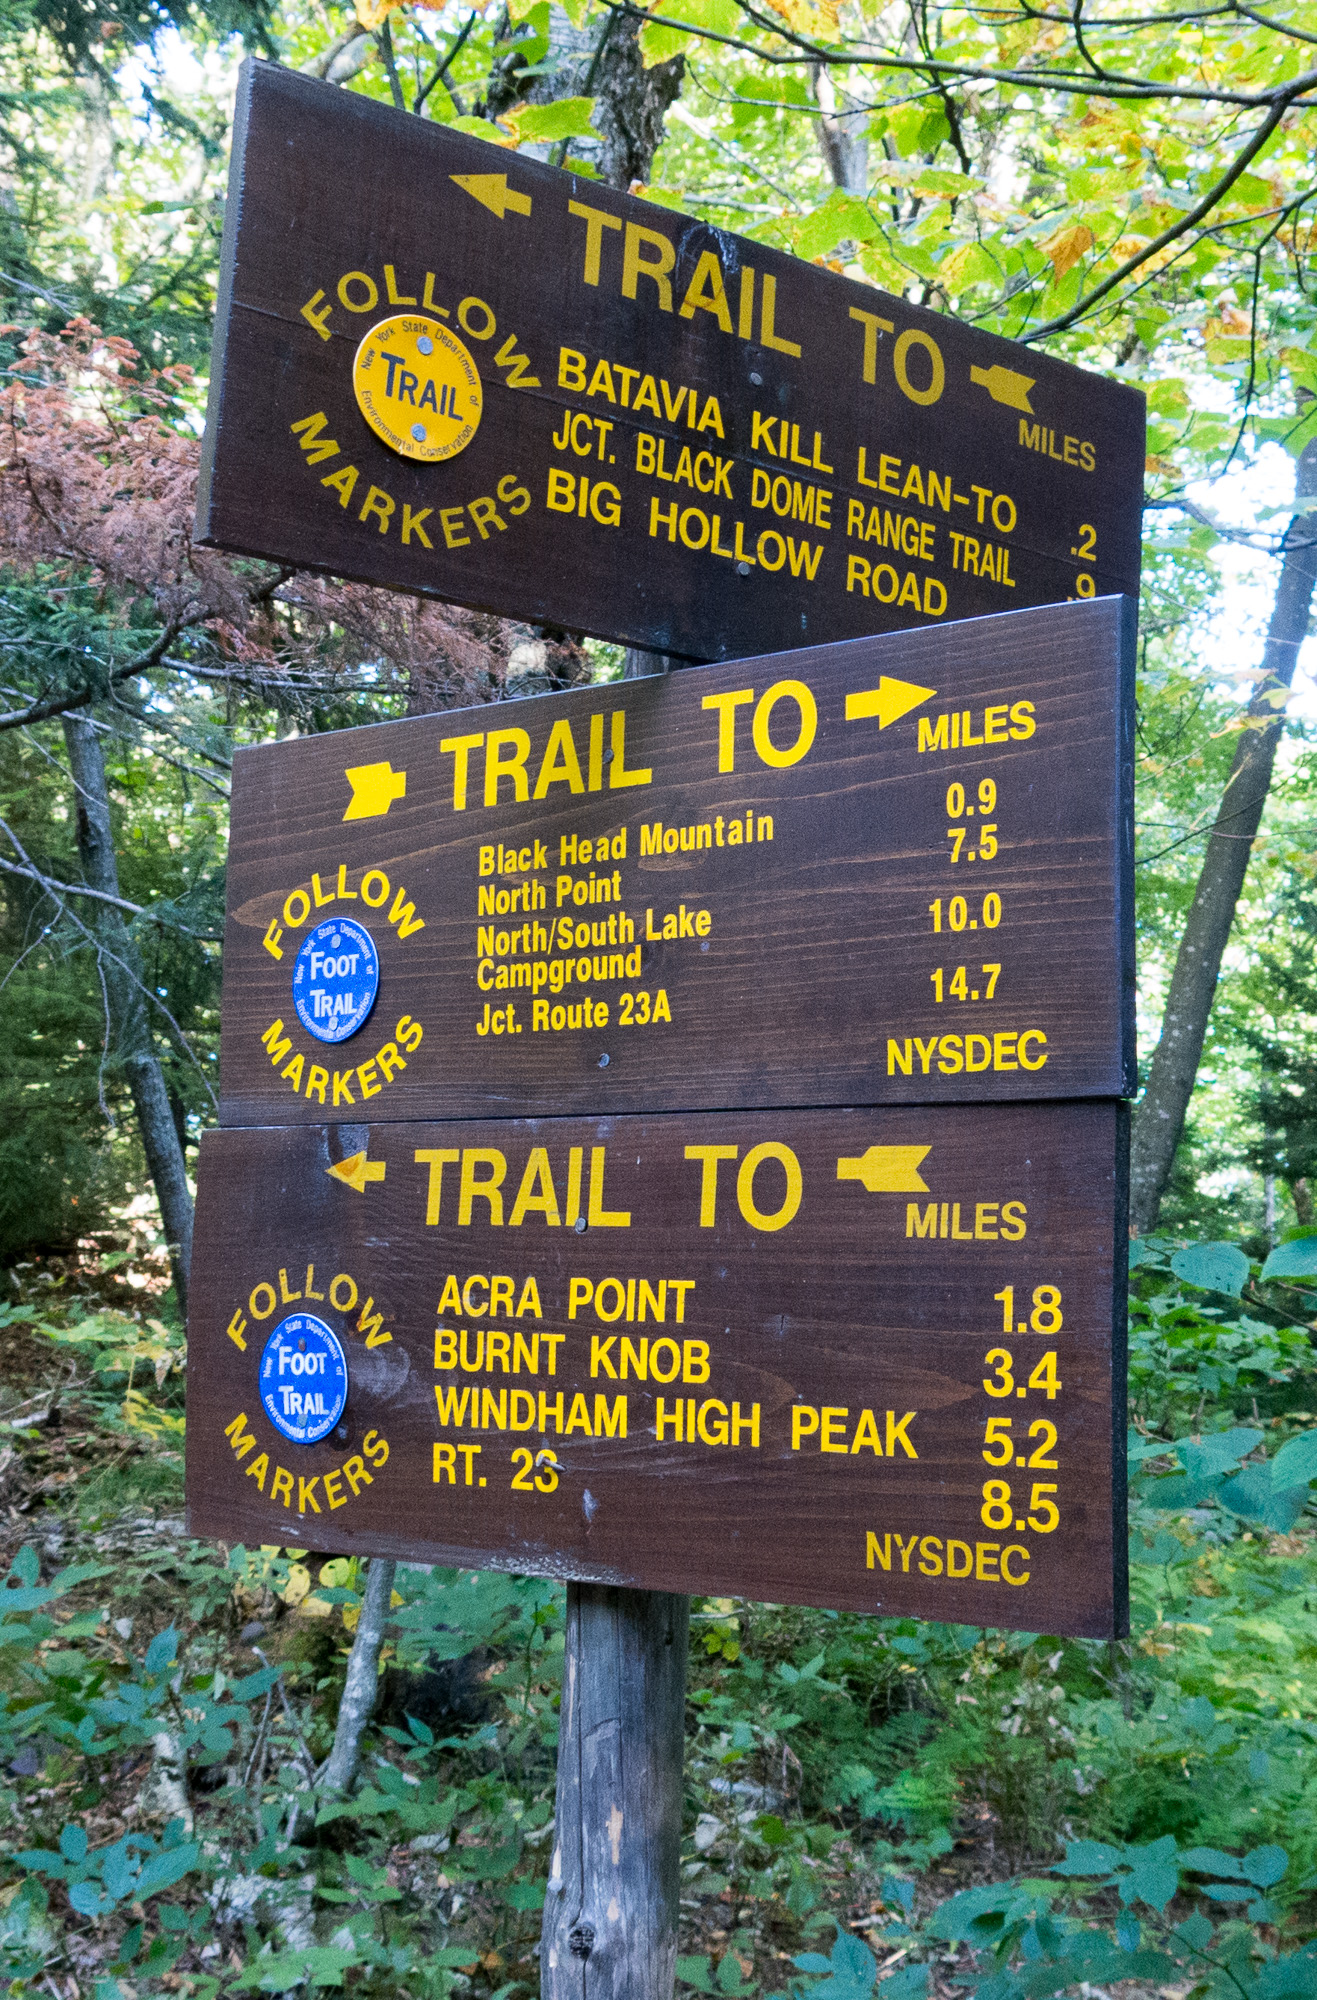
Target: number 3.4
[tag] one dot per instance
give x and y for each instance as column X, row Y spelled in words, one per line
column 545, row 1479
column 1042, row 1376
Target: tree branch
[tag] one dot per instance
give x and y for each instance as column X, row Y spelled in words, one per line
column 1121, row 88
column 45, row 711
column 54, row 887
column 1214, row 194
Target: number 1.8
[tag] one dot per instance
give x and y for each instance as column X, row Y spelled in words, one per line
column 1045, row 1317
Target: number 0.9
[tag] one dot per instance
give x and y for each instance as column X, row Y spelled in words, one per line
column 956, row 798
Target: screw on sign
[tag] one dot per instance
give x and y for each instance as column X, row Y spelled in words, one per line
column 872, row 1355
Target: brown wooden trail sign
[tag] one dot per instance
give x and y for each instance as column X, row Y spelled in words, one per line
column 475, row 377
column 891, row 870
column 863, row 1359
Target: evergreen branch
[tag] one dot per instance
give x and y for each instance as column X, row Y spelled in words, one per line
column 57, row 890
column 45, row 711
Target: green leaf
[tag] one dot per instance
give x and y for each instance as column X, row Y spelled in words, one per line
column 729, row 1979
column 1296, row 1461
column 161, row 1652
column 698, row 1972
column 1266, row 1865
column 1295, row 1259
column 1213, row 1267
column 1087, row 1857
column 565, row 118
column 1252, row 1495
column 479, row 128
column 163, row 1870
column 1211, row 1861
column 524, row 1895
column 1154, row 1879
column 658, row 44
column 942, row 181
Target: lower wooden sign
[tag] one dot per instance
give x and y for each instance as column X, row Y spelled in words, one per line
column 867, row 1359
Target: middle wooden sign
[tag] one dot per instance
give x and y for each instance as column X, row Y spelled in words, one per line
column 891, row 870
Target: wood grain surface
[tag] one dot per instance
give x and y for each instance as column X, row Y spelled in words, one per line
column 866, row 465
column 612, row 1902
column 806, row 965
column 765, row 1367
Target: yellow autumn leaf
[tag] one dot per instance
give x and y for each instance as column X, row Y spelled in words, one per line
column 1231, row 324
column 1067, row 247
column 809, row 17
column 373, row 13
column 298, row 1585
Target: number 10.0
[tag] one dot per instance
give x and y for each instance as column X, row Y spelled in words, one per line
column 959, row 918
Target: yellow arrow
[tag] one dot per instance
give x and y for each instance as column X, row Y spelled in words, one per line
column 1004, row 385
column 889, row 701
column 358, row 1171
column 492, row 192
column 374, row 788
column 887, row 1170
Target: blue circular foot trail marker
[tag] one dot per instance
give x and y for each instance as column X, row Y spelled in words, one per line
column 304, row 1378
column 335, row 979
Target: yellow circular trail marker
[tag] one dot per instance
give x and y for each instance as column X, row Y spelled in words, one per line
column 418, row 387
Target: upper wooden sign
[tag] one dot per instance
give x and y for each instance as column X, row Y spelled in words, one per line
column 866, row 1359
column 891, row 870
column 458, row 372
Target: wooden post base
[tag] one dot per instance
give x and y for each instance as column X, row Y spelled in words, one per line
column 610, row 1914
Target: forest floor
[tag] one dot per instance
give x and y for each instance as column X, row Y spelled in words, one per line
column 841, row 1772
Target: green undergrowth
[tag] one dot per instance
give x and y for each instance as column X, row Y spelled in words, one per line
column 872, row 1806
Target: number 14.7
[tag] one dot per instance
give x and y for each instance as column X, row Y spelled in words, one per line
column 959, row 988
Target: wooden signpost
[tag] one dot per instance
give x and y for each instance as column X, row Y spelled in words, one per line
column 742, row 1203
column 866, row 873
column 475, row 377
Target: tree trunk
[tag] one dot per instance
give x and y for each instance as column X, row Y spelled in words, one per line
column 361, row 1687
column 843, row 132
column 125, row 989
column 610, row 1913
column 1159, row 1120
column 603, row 62
column 639, row 664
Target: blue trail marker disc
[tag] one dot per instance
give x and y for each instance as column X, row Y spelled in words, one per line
column 335, row 979
column 304, row 1378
